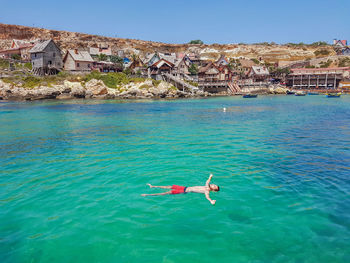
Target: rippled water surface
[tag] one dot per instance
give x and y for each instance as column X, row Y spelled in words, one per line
column 71, row 175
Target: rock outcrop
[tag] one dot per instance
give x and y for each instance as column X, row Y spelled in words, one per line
column 94, row 89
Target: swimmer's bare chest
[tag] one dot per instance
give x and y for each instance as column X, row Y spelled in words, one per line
column 197, row 189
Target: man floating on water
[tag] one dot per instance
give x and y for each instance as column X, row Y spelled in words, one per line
column 176, row 189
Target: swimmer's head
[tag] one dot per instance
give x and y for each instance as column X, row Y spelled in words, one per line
column 214, row 187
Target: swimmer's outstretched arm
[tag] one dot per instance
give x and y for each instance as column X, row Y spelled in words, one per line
column 209, row 199
column 208, row 181
column 166, row 193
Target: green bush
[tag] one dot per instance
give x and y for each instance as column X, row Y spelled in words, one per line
column 136, row 80
column 255, row 61
column 193, row 69
column 156, row 82
column 172, row 88
column 326, row 64
column 145, row 86
column 344, row 62
column 31, row 82
column 111, row 79
column 191, row 83
column 322, row 52
column 16, row 56
column 4, row 63
column 28, row 66
column 127, row 71
column 197, row 41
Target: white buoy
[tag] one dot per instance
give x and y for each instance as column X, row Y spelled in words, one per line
column 224, row 109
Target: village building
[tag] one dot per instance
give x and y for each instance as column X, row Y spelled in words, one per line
column 213, row 78
column 222, row 61
column 135, row 64
column 245, row 65
column 340, row 43
column 317, row 78
column 19, row 50
column 171, row 57
column 160, row 67
column 344, row 51
column 152, row 58
column 95, row 52
column 195, row 59
column 258, row 73
column 46, row 58
column 77, row 61
column 182, row 65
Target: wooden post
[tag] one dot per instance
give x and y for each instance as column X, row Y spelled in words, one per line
column 326, row 83
column 293, row 82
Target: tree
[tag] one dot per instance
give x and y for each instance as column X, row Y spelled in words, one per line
column 117, row 60
column 16, row 56
column 193, row 69
column 198, row 41
column 134, row 57
column 102, row 57
column 127, row 71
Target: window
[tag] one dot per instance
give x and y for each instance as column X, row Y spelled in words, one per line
column 88, row 65
column 54, row 54
column 78, row 65
column 50, row 62
column 35, row 55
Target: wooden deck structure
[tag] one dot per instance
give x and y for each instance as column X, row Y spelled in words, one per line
column 316, row 78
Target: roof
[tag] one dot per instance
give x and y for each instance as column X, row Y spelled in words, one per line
column 161, row 62
column 178, row 62
column 222, row 60
column 16, row 43
column 17, row 48
column 206, row 69
column 171, row 57
column 193, row 56
column 148, row 58
column 97, row 51
column 341, row 42
column 247, row 63
column 79, row 55
column 320, row 69
column 40, row 47
column 259, row 70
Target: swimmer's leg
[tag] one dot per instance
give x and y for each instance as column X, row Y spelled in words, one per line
column 166, row 193
column 165, row 187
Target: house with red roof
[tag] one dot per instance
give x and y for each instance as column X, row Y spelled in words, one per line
column 158, row 68
column 340, row 43
column 18, row 49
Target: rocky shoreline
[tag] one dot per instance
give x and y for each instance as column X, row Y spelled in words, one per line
column 94, row 89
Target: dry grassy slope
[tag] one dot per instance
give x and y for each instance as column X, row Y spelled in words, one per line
column 69, row 40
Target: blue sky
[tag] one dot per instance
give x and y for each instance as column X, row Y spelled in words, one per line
column 180, row 21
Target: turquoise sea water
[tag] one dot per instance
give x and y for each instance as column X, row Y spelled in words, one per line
column 72, row 174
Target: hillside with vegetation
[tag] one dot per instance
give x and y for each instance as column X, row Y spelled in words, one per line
column 269, row 52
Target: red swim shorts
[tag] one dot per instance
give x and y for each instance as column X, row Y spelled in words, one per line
column 177, row 189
